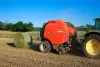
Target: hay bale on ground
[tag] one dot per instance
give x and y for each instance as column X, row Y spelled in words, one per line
column 22, row 40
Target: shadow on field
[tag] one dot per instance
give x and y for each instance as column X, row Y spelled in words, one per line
column 11, row 44
column 76, row 46
column 76, row 49
column 35, row 45
column 76, row 52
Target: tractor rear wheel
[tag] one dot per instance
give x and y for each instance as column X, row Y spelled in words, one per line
column 45, row 47
column 91, row 46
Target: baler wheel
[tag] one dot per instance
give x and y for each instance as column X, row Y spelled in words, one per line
column 45, row 47
column 91, row 47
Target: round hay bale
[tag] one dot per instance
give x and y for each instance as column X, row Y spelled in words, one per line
column 22, row 40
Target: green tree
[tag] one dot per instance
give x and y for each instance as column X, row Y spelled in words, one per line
column 14, row 27
column 89, row 27
column 82, row 28
column 29, row 26
column 9, row 26
column 19, row 26
column 1, row 25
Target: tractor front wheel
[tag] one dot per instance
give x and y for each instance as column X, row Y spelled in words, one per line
column 91, row 46
column 45, row 47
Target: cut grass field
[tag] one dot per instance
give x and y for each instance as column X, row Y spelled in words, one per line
column 7, row 34
column 17, row 57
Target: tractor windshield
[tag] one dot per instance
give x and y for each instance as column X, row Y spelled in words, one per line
column 99, row 26
column 97, row 23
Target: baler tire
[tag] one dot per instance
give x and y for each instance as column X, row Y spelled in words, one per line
column 89, row 50
column 45, row 47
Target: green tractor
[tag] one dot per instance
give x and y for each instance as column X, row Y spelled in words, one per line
column 91, row 41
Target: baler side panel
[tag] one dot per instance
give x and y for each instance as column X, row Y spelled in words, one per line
column 57, row 33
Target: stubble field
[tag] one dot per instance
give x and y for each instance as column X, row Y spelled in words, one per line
column 17, row 57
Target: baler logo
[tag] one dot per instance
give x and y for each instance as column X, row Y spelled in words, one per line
column 60, row 31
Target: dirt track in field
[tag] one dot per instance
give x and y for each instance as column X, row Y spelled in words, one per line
column 16, row 57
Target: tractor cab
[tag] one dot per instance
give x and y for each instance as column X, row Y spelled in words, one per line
column 97, row 23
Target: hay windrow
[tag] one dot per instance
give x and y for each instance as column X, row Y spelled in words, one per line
column 22, row 40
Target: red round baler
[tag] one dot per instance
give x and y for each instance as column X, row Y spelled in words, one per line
column 58, row 35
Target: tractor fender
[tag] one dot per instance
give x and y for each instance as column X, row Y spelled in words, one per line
column 81, row 41
column 90, row 33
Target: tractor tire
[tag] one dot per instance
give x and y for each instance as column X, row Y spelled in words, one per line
column 45, row 47
column 91, row 46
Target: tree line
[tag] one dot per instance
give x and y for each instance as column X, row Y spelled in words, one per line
column 86, row 27
column 20, row 26
column 24, row 27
